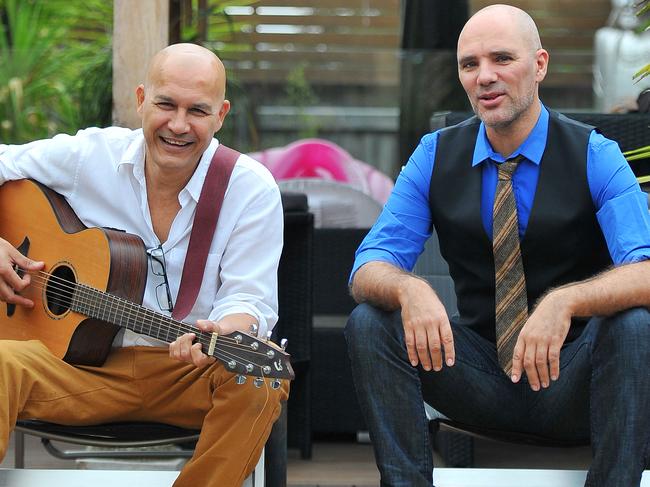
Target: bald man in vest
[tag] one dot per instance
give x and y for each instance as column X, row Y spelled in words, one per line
column 147, row 182
column 552, row 337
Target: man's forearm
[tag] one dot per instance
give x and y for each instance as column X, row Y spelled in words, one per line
column 381, row 284
column 614, row 290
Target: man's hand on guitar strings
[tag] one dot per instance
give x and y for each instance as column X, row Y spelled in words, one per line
column 12, row 283
column 185, row 350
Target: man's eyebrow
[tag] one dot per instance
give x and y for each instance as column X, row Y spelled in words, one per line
column 465, row 59
column 198, row 106
column 503, row 52
column 500, row 52
column 203, row 106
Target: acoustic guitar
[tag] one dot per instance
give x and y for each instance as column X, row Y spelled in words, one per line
column 91, row 285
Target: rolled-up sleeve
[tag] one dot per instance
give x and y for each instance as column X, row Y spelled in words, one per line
column 249, row 266
column 621, row 206
column 404, row 225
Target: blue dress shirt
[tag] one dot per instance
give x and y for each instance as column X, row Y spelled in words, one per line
column 399, row 235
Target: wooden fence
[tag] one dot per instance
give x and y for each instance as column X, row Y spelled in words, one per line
column 339, row 42
column 349, row 53
column 567, row 29
column 356, row 42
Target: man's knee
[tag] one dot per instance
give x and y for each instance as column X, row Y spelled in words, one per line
column 368, row 326
column 17, row 352
column 628, row 331
column 364, row 321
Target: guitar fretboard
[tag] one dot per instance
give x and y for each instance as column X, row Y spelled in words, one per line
column 106, row 307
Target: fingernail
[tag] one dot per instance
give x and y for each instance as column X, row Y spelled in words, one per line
column 535, row 387
column 514, row 378
column 450, row 362
column 437, row 369
column 414, row 363
column 544, row 385
column 554, row 377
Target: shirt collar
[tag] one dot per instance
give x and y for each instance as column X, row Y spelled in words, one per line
column 195, row 184
column 532, row 148
column 135, row 153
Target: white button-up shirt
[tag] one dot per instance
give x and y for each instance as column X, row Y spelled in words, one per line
column 101, row 174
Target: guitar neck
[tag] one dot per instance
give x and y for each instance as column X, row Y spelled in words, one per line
column 240, row 353
column 93, row 303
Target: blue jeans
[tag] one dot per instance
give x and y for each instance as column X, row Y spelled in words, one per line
column 602, row 395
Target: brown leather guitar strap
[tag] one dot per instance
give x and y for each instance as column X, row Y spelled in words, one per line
column 205, row 222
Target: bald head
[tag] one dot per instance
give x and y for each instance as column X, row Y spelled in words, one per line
column 500, row 65
column 188, row 60
column 182, row 105
column 504, row 15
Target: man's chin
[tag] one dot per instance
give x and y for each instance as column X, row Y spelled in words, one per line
column 494, row 118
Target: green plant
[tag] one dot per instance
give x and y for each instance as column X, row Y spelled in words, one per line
column 643, row 7
column 33, row 101
column 301, row 95
column 643, row 11
column 48, row 49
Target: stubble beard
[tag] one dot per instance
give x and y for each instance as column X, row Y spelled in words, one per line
column 504, row 117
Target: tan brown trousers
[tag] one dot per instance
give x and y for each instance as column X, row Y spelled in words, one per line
column 144, row 384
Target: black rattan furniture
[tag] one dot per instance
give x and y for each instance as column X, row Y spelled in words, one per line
column 295, row 311
column 335, row 410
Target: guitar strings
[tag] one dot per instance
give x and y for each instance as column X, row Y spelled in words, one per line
column 69, row 287
column 67, row 290
column 221, row 354
column 84, row 291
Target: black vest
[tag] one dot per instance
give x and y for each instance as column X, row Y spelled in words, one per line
column 563, row 242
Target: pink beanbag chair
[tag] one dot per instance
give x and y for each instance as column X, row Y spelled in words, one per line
column 317, row 158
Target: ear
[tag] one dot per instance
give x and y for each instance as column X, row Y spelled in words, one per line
column 225, row 108
column 541, row 58
column 223, row 111
column 139, row 95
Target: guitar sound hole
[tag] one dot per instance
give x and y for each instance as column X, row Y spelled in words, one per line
column 60, row 287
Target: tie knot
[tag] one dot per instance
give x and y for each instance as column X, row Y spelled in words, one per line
column 508, row 167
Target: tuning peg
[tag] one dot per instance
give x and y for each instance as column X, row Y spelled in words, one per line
column 231, row 364
column 238, row 338
column 268, row 335
column 258, row 382
column 266, row 369
column 249, row 368
column 254, row 329
column 283, row 343
column 275, row 384
column 240, row 379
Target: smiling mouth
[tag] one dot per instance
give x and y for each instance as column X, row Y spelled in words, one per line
column 175, row 142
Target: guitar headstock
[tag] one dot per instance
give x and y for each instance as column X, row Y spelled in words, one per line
column 245, row 354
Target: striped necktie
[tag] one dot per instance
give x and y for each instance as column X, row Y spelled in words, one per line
column 511, row 303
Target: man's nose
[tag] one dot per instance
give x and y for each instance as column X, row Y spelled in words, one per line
column 178, row 122
column 486, row 74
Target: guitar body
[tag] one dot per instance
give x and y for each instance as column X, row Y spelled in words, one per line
column 40, row 223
